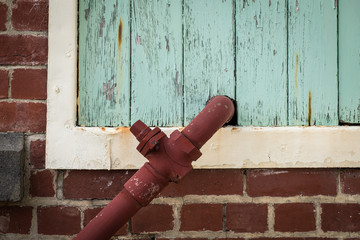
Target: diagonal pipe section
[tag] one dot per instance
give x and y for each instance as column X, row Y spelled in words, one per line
column 169, row 161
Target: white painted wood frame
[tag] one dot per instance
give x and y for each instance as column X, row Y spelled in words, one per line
column 72, row 147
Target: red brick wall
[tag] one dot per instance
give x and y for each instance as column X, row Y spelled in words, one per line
column 207, row 204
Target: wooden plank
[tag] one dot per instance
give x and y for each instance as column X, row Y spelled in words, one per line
column 208, row 53
column 349, row 61
column 261, row 58
column 104, row 60
column 156, row 96
column 313, row 92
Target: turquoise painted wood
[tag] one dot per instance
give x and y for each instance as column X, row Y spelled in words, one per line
column 104, row 63
column 312, row 62
column 208, row 53
column 261, row 58
column 349, row 61
column 160, row 61
column 156, row 53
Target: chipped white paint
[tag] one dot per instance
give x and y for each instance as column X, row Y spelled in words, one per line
column 71, row 147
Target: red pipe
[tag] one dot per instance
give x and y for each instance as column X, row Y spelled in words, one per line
column 169, row 160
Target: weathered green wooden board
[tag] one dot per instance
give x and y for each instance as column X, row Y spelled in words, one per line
column 313, row 92
column 160, row 61
column 208, row 53
column 156, row 53
column 261, row 59
column 104, row 63
column 349, row 61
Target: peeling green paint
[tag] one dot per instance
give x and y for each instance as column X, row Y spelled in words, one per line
column 160, row 61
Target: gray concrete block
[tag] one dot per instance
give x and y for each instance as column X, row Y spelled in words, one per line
column 11, row 166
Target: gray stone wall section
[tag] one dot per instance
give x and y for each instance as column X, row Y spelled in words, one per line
column 11, row 166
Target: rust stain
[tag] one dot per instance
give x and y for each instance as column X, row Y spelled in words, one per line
column 123, row 130
column 102, row 25
column 103, row 129
column 309, row 109
column 120, row 35
column 167, row 44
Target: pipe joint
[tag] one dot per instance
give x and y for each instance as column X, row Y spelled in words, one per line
column 145, row 184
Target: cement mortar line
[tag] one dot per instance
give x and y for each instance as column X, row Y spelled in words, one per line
column 14, row 67
column 13, row 100
column 14, row 236
column 318, row 211
column 34, row 225
column 24, row 33
column 176, row 214
column 271, row 218
column 59, row 190
column 230, row 234
column 88, row 203
column 342, row 198
column 8, row 24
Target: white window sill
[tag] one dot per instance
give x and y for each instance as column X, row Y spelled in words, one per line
column 72, row 147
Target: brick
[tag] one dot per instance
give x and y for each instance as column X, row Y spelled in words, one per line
column 11, row 166
column 94, row 184
column 3, row 16
column 246, row 217
column 340, row 217
column 153, row 218
column 29, row 84
column 350, row 181
column 4, row 83
column 207, row 182
column 201, row 217
column 30, row 15
column 90, row 213
column 23, row 50
column 291, row 182
column 15, row 219
column 42, row 183
column 37, row 154
column 58, row 220
column 22, row 117
column 294, row 217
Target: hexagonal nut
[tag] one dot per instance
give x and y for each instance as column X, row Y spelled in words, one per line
column 139, row 130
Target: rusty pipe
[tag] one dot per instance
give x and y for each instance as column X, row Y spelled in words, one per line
column 169, row 161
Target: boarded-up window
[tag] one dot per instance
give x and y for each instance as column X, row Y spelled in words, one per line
column 285, row 62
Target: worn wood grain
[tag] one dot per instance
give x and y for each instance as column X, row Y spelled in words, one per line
column 208, row 53
column 349, row 61
column 261, row 59
column 313, row 98
column 157, row 78
column 104, row 63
